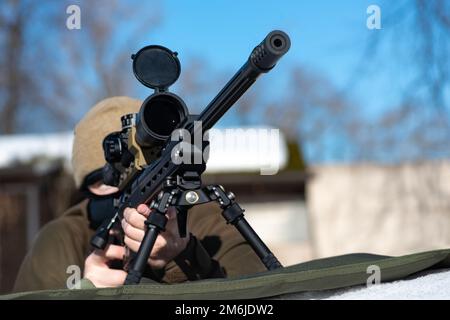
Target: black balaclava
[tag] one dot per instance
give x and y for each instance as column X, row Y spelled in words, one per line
column 100, row 208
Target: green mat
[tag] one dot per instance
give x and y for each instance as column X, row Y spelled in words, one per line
column 322, row 274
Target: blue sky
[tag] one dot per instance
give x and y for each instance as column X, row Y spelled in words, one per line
column 327, row 36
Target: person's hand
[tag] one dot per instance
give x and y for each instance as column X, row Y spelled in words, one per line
column 168, row 244
column 97, row 270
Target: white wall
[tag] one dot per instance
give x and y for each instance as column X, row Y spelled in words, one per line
column 380, row 209
column 283, row 226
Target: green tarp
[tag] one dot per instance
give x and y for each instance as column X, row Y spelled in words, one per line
column 322, row 274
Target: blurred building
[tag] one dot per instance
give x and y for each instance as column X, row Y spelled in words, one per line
column 392, row 210
column 301, row 214
column 36, row 186
column 31, row 195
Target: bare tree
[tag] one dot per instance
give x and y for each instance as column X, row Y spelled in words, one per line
column 311, row 111
column 51, row 75
column 416, row 35
column 11, row 75
column 197, row 83
column 110, row 33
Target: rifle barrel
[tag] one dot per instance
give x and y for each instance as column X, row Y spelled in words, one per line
column 261, row 60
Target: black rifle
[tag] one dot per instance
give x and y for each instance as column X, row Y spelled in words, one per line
column 140, row 157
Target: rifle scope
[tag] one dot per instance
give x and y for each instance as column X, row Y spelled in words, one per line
column 157, row 67
column 160, row 114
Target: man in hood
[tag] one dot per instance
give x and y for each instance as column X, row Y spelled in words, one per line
column 213, row 248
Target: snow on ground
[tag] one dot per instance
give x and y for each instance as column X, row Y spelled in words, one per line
column 425, row 285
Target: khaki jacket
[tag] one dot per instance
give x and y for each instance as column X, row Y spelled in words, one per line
column 216, row 250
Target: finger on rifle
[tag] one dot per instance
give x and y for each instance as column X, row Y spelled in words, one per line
column 143, row 209
column 132, row 232
column 114, row 252
column 132, row 244
column 134, row 218
column 112, row 278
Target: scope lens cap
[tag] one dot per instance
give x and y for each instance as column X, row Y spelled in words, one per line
column 156, row 66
